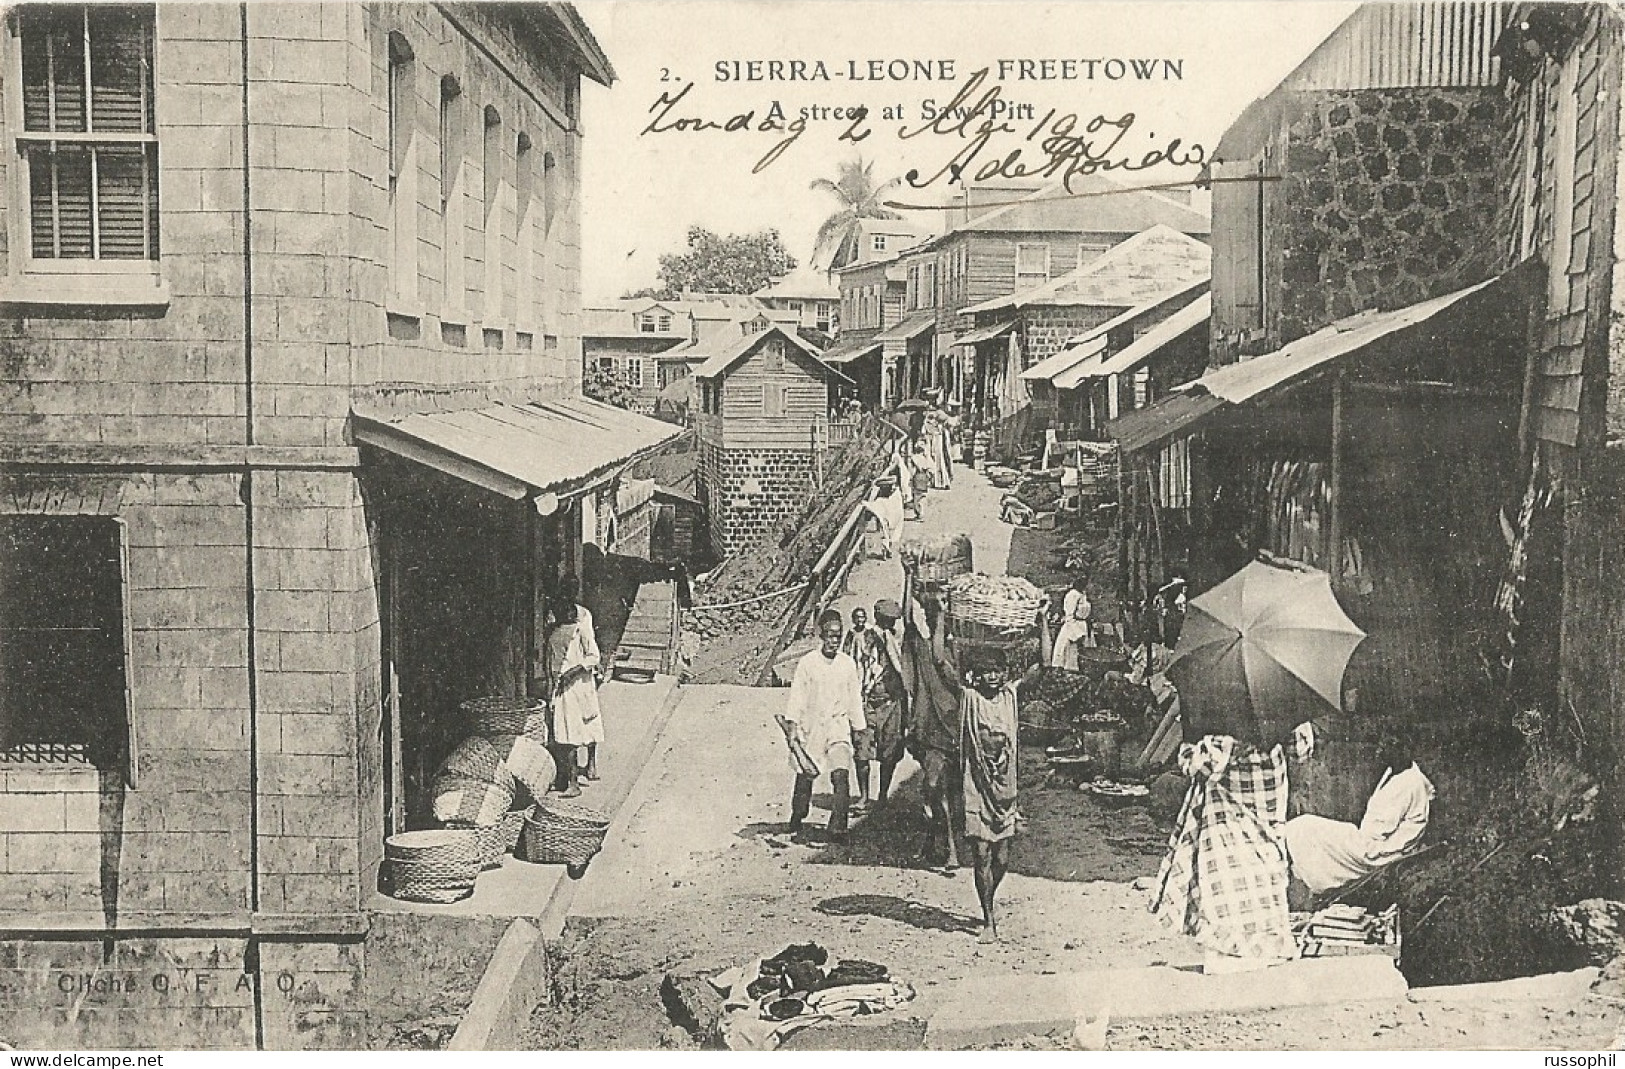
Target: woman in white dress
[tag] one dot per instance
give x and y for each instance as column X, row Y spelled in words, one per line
column 573, row 660
column 1075, row 630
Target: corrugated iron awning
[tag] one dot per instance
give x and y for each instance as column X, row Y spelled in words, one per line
column 987, row 333
column 1143, row 348
column 1075, row 354
column 1248, row 380
column 559, row 447
column 850, row 351
column 910, row 328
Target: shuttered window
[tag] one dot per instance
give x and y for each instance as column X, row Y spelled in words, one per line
column 88, row 133
column 1032, row 266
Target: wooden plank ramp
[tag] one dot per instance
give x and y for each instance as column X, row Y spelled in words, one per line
column 649, row 643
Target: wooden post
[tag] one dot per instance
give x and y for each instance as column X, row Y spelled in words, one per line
column 1335, row 521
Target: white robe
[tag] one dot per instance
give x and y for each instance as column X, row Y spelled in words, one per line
column 1073, row 632
column 1327, row 854
column 889, row 512
column 826, row 707
column 576, row 718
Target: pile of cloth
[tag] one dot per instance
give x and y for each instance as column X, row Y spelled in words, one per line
column 768, row 999
column 1340, row 927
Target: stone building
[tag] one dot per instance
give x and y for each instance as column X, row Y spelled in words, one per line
column 763, row 430
column 290, row 448
column 1367, row 384
column 1044, row 332
column 1358, row 182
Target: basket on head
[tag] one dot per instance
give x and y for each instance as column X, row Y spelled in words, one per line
column 560, row 833
column 433, row 866
column 507, row 716
column 937, row 560
column 496, row 841
column 997, row 603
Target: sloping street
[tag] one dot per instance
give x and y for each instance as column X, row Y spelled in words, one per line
column 705, row 876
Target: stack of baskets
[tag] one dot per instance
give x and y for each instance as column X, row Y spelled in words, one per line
column 507, row 716
column 996, row 613
column 936, row 562
column 433, row 866
column 562, row 833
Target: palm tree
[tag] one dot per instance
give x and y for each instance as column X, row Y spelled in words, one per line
column 854, row 186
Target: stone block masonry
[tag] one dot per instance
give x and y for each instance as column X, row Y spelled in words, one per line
column 1387, row 198
column 751, row 493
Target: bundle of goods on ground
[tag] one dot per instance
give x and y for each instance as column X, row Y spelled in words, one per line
column 1347, row 929
column 766, row 1000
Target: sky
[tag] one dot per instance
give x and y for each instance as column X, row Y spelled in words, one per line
column 642, row 190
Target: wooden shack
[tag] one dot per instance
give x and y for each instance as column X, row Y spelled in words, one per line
column 763, row 428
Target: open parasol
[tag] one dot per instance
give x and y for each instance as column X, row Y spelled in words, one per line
column 1262, row 652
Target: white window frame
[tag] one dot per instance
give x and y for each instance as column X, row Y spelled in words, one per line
column 402, row 145
column 877, row 242
column 1020, row 275
column 634, row 372
column 31, row 281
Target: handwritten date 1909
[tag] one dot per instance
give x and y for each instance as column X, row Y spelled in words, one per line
column 1069, row 145
column 1063, row 146
column 774, row 121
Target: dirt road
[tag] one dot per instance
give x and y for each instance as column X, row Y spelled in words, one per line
column 706, row 876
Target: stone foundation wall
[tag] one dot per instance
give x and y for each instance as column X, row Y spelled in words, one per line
column 750, row 493
column 1045, row 331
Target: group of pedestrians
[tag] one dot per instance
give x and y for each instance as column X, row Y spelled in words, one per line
column 869, row 694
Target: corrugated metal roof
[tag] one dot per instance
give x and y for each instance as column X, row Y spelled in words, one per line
column 985, row 333
column 1150, row 264
column 1077, row 352
column 1247, row 379
column 912, row 327
column 1441, row 43
column 846, row 352
column 1165, row 419
column 518, row 450
column 1239, row 383
column 1093, row 204
column 1144, row 347
column 1091, row 342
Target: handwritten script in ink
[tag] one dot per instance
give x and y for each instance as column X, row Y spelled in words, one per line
column 984, row 139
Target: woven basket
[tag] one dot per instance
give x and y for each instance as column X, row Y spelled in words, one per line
column 938, row 561
column 1002, row 603
column 559, row 833
column 433, row 866
column 415, row 882
column 506, row 716
column 497, row 841
column 459, row 801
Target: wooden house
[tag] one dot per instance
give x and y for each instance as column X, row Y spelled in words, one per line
column 763, row 428
column 1018, row 243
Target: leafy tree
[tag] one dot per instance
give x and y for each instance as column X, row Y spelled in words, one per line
column 860, row 198
column 731, row 263
column 606, row 385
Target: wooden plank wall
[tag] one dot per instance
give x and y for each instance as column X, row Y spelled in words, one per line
column 745, row 423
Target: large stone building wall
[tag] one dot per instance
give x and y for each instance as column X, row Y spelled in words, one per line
column 1386, row 198
column 750, row 493
column 210, row 417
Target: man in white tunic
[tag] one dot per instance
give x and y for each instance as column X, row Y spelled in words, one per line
column 1326, row 854
column 824, row 711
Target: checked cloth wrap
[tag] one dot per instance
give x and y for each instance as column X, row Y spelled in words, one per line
column 1223, row 880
